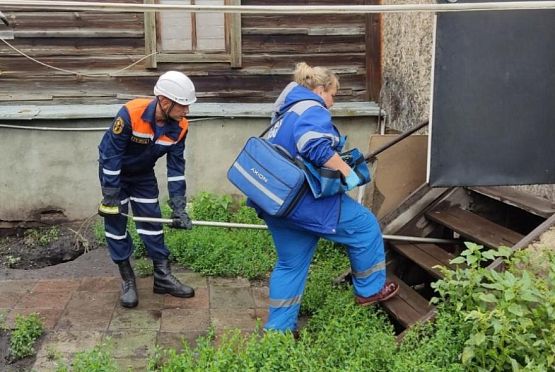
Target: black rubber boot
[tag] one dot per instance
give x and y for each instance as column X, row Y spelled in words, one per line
column 165, row 282
column 128, row 296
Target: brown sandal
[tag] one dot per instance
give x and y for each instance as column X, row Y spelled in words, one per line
column 389, row 290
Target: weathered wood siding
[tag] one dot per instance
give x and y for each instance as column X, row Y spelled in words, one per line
column 99, row 42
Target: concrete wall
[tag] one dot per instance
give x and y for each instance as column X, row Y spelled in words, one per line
column 49, row 171
column 407, row 58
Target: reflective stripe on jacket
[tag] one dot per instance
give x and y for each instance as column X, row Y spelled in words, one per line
column 133, row 144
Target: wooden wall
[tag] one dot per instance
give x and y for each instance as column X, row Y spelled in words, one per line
column 97, row 42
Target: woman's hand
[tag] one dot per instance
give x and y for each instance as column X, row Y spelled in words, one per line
column 336, row 163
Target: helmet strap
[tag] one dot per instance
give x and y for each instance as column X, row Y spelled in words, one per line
column 166, row 113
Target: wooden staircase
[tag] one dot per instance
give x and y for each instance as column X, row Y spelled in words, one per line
column 491, row 216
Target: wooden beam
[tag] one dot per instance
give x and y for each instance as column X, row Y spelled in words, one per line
column 304, row 30
column 373, row 53
column 150, row 37
column 235, row 40
column 534, row 204
column 191, row 57
column 80, row 33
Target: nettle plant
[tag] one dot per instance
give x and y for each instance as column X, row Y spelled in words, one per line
column 512, row 312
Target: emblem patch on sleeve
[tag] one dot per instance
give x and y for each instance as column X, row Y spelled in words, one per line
column 117, row 128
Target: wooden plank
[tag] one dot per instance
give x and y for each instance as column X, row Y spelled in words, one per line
column 474, row 227
column 279, row 60
column 235, row 38
column 274, row 31
column 317, row 30
column 408, row 307
column 26, row 97
column 79, row 33
column 529, row 202
column 192, row 57
column 76, row 46
column 373, row 36
column 304, row 20
column 51, row 20
column 411, row 207
column 526, row 241
column 300, row 43
column 20, row 65
column 150, row 37
column 427, row 256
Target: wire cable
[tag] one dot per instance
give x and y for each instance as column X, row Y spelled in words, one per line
column 281, row 9
column 99, row 74
column 94, row 129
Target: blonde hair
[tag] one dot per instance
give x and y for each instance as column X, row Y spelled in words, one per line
column 312, row 77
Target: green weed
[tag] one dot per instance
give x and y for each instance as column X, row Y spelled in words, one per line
column 511, row 313
column 341, row 336
column 22, row 339
column 11, row 261
column 99, row 359
column 40, row 237
column 210, row 207
column 143, row 267
column 3, row 325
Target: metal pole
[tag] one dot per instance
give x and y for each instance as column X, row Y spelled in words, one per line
column 401, row 137
column 414, row 239
column 201, row 223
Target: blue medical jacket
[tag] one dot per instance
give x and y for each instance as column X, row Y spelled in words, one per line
column 304, row 127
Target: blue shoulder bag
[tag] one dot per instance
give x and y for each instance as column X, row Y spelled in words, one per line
column 268, row 176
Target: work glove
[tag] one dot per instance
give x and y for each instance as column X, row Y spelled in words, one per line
column 111, row 204
column 352, row 180
column 180, row 218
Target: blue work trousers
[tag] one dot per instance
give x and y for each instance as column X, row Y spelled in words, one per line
column 357, row 229
column 142, row 192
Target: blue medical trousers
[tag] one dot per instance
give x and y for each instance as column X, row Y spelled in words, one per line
column 358, row 229
column 142, row 192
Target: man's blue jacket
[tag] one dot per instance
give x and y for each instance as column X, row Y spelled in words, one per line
column 131, row 147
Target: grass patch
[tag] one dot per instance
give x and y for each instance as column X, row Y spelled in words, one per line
column 222, row 251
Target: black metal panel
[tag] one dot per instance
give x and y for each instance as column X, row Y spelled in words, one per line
column 493, row 110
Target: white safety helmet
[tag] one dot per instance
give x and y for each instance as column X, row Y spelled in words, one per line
column 176, row 86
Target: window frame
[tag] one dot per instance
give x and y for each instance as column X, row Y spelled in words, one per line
column 232, row 54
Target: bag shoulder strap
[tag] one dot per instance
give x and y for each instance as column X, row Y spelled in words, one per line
column 279, row 117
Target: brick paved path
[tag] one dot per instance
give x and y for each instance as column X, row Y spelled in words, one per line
column 78, row 313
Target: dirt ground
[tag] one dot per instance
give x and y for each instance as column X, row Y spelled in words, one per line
column 61, row 251
column 37, row 248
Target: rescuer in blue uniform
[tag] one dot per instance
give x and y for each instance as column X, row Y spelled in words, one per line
column 143, row 131
column 306, row 129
